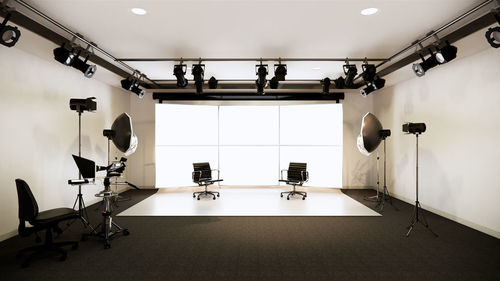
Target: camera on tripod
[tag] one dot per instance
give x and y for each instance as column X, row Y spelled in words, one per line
column 414, row 128
column 115, row 169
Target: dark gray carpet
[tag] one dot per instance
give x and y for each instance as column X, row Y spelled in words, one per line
column 268, row 248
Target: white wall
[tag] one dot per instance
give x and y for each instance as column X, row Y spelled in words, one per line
column 38, row 130
column 357, row 168
column 459, row 153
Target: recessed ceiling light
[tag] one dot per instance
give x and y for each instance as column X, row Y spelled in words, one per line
column 316, row 68
column 138, row 11
column 369, row 11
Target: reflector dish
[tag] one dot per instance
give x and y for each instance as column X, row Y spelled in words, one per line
column 369, row 137
column 124, row 138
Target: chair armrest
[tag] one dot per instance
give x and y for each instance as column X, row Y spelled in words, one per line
column 282, row 173
column 305, row 175
column 196, row 172
column 218, row 172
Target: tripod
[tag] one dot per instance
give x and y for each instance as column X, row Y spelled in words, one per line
column 107, row 224
column 82, row 211
column 417, row 216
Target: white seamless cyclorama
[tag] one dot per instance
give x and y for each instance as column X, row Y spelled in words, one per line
column 249, row 144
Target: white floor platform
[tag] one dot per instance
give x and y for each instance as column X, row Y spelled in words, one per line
column 249, row 201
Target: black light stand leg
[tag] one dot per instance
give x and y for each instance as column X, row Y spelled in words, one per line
column 385, row 193
column 375, row 198
column 417, row 209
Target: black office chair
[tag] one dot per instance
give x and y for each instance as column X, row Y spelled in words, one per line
column 46, row 220
column 296, row 175
column 202, row 175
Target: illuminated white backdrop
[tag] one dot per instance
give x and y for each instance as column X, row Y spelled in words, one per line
column 249, row 144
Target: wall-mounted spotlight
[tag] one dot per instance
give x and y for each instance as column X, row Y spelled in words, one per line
column 8, row 34
column 132, row 83
column 426, row 64
column 280, row 71
column 198, row 72
column 212, row 83
column 493, row 33
column 261, row 72
column 350, row 72
column 446, row 54
column 180, row 72
column 325, row 83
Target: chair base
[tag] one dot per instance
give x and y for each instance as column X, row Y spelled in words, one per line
column 293, row 192
column 206, row 193
column 47, row 247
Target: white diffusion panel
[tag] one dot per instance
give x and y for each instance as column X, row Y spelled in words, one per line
column 317, row 124
column 177, row 124
column 249, row 165
column 324, row 163
column 249, row 125
column 174, row 164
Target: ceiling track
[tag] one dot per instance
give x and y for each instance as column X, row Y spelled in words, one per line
column 28, row 23
column 278, row 59
column 41, row 30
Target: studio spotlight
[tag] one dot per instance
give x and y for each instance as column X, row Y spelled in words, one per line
column 180, row 72
column 350, row 72
column 493, row 33
column 326, row 85
column 377, row 84
column 280, row 71
column 339, row 83
column 261, row 72
column 132, row 84
column 87, row 69
column 212, row 83
column 8, row 34
column 64, row 55
column 368, row 90
column 198, row 72
column 446, row 54
column 274, row 83
column 426, row 64
column 369, row 72
column 493, row 36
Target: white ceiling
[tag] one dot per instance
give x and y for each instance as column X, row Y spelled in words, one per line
column 245, row 28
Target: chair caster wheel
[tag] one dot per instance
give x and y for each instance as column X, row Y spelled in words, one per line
column 281, row 195
column 218, row 195
column 214, row 197
column 74, row 247
column 288, row 198
column 126, row 232
column 303, row 198
column 63, row 257
column 194, row 196
column 198, row 198
column 107, row 245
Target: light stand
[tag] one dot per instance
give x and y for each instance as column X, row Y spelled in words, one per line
column 381, row 201
column 80, row 106
column 375, row 198
column 417, row 216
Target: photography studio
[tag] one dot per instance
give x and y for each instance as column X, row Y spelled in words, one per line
column 249, row 140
